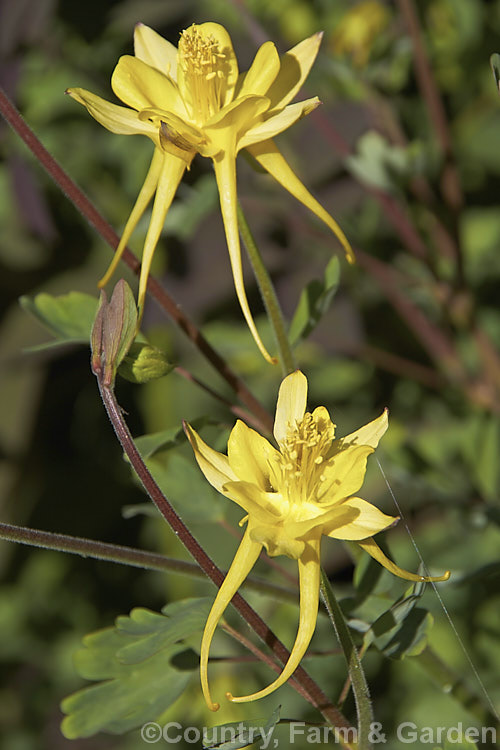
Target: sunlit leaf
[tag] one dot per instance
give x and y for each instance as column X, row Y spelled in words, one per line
column 133, row 662
column 69, row 317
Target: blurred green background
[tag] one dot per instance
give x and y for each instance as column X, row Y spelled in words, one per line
column 417, row 330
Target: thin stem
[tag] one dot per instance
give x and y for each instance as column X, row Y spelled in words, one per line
column 268, row 295
column 356, row 673
column 347, row 685
column 315, row 695
column 122, row 555
column 96, row 220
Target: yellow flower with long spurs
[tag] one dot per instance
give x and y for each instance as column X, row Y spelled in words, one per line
column 292, row 496
column 192, row 99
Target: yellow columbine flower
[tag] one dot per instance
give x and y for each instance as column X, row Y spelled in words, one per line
column 292, row 497
column 191, row 100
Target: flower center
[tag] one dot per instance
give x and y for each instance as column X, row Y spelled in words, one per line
column 303, row 451
column 204, row 67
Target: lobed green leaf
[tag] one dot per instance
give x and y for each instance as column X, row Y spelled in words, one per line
column 133, row 662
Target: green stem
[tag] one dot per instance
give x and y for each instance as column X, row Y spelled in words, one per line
column 268, row 293
column 120, row 554
column 356, row 673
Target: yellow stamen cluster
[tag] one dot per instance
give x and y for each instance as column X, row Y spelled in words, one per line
column 203, row 65
column 303, row 452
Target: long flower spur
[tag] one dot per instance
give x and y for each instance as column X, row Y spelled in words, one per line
column 292, row 496
column 192, row 100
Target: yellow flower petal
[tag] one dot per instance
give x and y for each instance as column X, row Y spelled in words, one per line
column 343, row 474
column 214, row 465
column 276, row 539
column 292, row 402
column 223, row 39
column 155, row 51
column 369, row 434
column 269, row 157
column 241, row 114
column 279, row 122
column 225, row 173
column 243, row 562
column 323, row 420
column 309, row 577
column 142, row 87
column 176, row 136
column 340, row 515
column 369, row 521
column 117, row 119
column 168, row 182
column 279, row 491
column 295, row 67
column 195, row 42
column 262, row 72
column 264, row 506
column 145, row 195
column 173, row 142
column 249, row 455
column 370, row 546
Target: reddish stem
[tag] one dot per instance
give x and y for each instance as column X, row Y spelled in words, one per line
column 89, row 211
column 315, row 695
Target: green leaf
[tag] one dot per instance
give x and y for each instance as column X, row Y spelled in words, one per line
column 133, row 661
column 382, row 165
column 402, row 630
column 409, row 638
column 314, row 301
column 243, row 733
column 69, row 317
column 148, row 445
column 144, row 363
column 180, row 479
